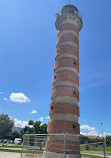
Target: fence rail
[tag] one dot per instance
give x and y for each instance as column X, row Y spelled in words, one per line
column 34, row 144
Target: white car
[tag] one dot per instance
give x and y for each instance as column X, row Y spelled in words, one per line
column 17, row 141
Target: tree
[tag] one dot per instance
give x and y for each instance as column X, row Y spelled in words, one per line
column 108, row 140
column 35, row 128
column 43, row 129
column 6, row 124
column 83, row 139
column 31, row 122
column 15, row 134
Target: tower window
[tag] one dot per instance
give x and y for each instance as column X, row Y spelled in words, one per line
column 74, row 126
column 57, row 51
column 74, row 92
column 75, row 38
column 54, row 77
column 74, row 63
column 51, row 107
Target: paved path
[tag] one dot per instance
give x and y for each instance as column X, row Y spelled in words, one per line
column 15, row 155
column 9, row 155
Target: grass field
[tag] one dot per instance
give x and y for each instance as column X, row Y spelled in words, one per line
column 93, row 148
column 90, row 156
column 10, row 146
column 85, row 153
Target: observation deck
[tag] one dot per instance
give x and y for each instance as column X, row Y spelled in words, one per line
column 67, row 11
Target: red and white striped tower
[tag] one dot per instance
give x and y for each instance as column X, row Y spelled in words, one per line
column 64, row 110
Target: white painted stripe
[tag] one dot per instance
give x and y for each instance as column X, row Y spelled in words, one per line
column 66, row 32
column 59, row 155
column 66, row 55
column 70, row 21
column 64, row 117
column 72, row 138
column 65, row 99
column 66, row 69
column 65, row 83
column 68, row 43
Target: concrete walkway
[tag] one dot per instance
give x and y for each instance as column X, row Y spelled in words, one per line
column 9, row 155
column 15, row 155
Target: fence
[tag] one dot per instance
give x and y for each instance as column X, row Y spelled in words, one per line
column 66, row 144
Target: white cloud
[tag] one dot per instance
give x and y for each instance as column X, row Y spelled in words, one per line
column 19, row 123
column 92, row 131
column 87, row 127
column 48, row 118
column 87, row 130
column 105, row 134
column 34, row 112
column 1, row 92
column 19, row 98
column 5, row 99
column 41, row 119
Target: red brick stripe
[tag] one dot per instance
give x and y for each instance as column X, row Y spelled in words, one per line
column 66, row 62
column 67, row 49
column 66, row 76
column 63, row 127
column 64, row 109
column 65, row 91
column 68, row 37
column 69, row 26
column 58, row 147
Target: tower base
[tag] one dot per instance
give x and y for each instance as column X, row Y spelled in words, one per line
column 59, row 155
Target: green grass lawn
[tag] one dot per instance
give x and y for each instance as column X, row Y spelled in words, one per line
column 19, row 151
column 93, row 148
column 10, row 146
column 90, row 156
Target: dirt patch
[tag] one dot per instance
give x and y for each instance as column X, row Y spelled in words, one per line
column 33, row 156
column 17, row 155
column 9, row 155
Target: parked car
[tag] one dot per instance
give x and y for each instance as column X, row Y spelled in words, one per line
column 17, row 141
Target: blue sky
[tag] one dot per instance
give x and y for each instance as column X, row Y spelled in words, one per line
column 27, row 51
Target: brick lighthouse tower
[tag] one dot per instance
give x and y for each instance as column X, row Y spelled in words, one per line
column 64, row 110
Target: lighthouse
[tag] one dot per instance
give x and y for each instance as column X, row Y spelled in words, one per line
column 64, row 109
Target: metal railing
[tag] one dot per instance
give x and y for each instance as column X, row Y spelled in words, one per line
column 35, row 144
column 74, row 13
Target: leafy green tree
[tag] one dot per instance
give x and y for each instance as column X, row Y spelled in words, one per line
column 83, row 139
column 108, row 140
column 6, row 124
column 34, row 128
column 37, row 127
column 15, row 134
column 31, row 122
column 28, row 130
column 43, row 128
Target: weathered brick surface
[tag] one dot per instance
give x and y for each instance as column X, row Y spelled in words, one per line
column 68, row 37
column 69, row 26
column 65, row 91
column 63, row 127
column 61, row 20
column 58, row 147
column 64, row 109
column 66, row 62
column 67, row 49
column 66, row 76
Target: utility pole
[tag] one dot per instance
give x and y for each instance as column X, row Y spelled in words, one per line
column 104, row 142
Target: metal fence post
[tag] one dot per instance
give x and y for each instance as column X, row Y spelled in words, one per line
column 104, row 145
column 64, row 145
column 46, row 144
column 22, row 148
